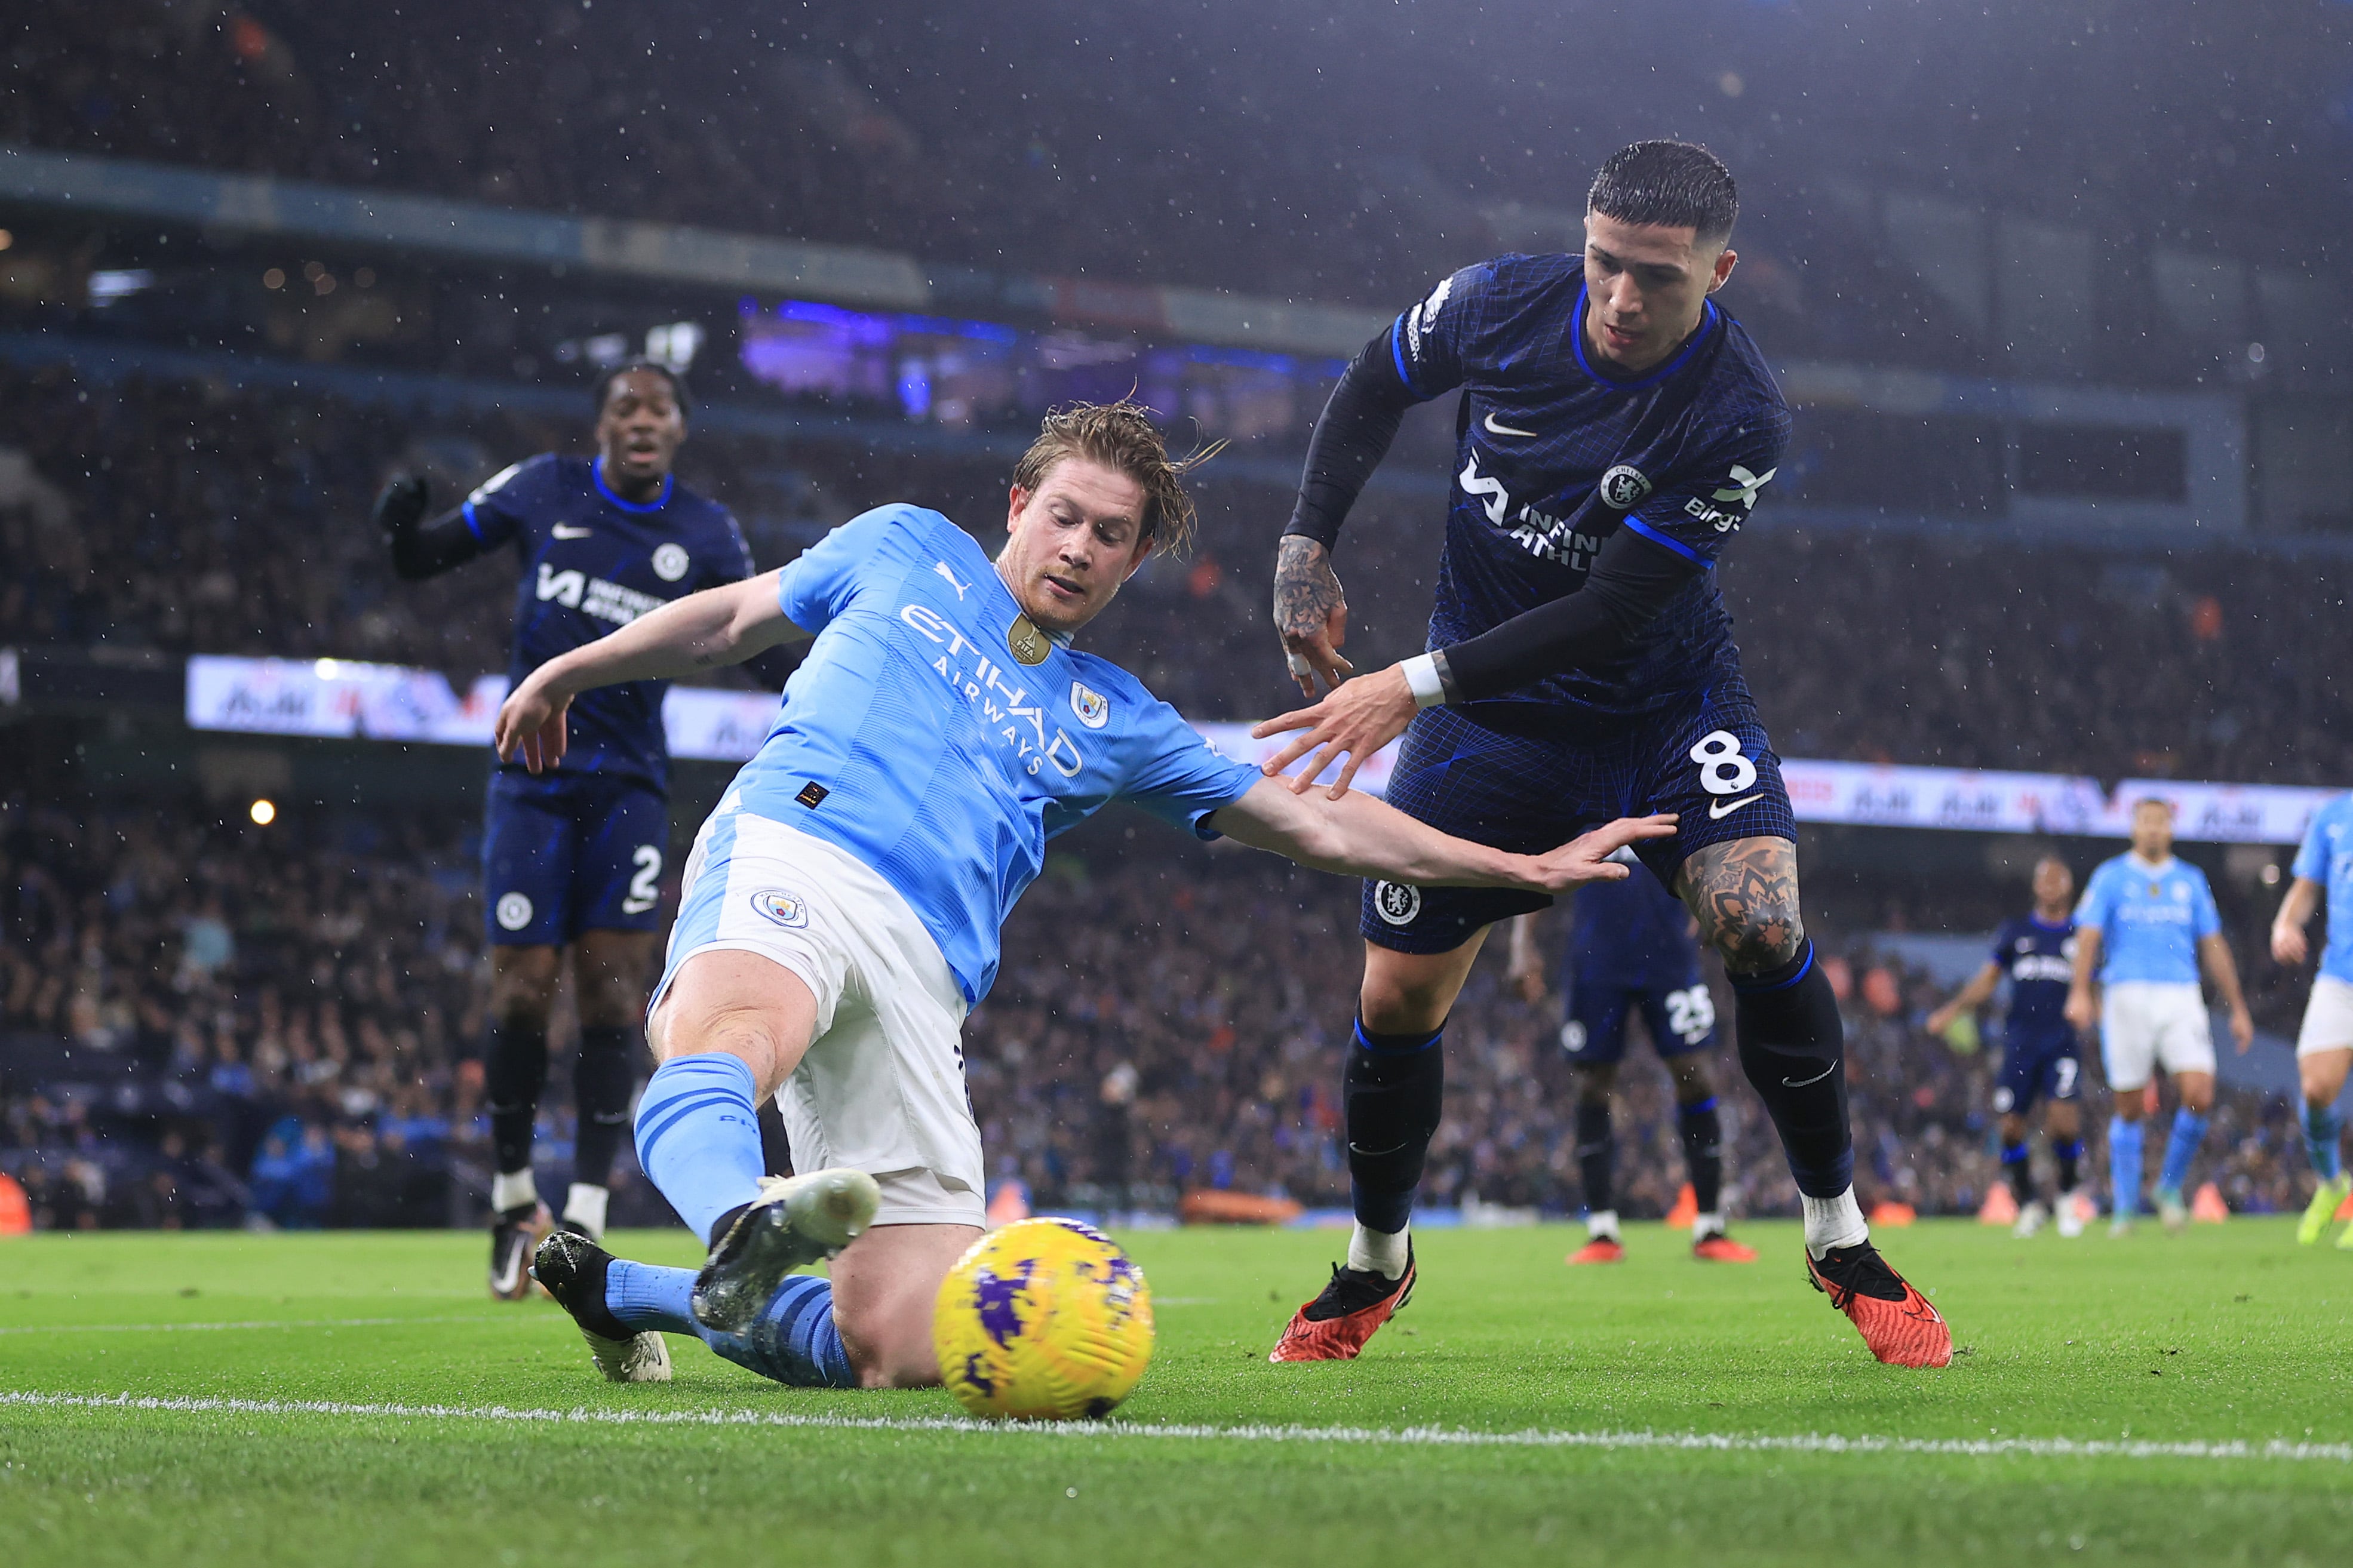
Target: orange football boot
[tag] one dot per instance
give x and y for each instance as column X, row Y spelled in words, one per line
column 1600, row 1249
column 1895, row 1321
column 1717, row 1248
column 1335, row 1325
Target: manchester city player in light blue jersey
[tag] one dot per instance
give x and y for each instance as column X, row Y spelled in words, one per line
column 842, row 906
column 2145, row 924
column 2324, row 1046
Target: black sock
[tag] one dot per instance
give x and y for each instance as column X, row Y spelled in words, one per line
column 602, row 1077
column 2068, row 1153
column 514, row 1072
column 1703, row 1135
column 1792, row 1047
column 2020, row 1169
column 1392, row 1089
column 1597, row 1155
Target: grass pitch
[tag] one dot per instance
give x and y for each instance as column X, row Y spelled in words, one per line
column 353, row 1398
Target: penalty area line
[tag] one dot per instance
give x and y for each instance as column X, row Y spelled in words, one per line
column 262, row 1323
column 1120, row 1431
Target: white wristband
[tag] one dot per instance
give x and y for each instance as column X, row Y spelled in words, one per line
column 1421, row 679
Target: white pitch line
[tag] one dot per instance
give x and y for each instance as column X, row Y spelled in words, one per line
column 1430, row 1436
column 260, row 1323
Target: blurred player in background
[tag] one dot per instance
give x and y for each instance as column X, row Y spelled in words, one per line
column 2036, row 952
column 2145, row 926
column 1629, row 950
column 573, row 861
column 1614, row 429
column 2324, row 1046
column 845, row 903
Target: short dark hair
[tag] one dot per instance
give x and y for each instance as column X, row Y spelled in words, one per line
column 1671, row 184
column 677, row 382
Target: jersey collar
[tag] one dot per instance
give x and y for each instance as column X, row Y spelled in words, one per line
column 1709, row 316
column 596, row 472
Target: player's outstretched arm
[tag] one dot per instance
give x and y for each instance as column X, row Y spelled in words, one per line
column 1357, row 836
column 2214, row 951
column 421, row 549
column 1970, row 997
column 2288, row 943
column 725, row 624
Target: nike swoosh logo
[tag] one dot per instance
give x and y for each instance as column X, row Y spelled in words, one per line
column 1717, row 810
column 1495, row 429
column 510, row 1273
column 564, row 532
column 1800, row 1083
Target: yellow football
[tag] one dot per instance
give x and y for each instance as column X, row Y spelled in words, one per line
column 1045, row 1319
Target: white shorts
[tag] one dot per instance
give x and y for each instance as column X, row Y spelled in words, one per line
column 2327, row 1017
column 881, row 1088
column 2149, row 1024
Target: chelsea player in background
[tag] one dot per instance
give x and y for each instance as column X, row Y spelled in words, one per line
column 1629, row 950
column 2146, row 923
column 1614, row 429
column 2036, row 952
column 2324, row 1046
column 573, row 861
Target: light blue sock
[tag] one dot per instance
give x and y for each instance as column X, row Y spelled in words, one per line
column 2180, row 1149
column 793, row 1341
column 699, row 1136
column 2322, row 1128
column 2123, row 1166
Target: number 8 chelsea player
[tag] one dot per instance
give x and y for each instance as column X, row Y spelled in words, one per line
column 574, row 859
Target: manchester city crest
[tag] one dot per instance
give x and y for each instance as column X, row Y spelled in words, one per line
column 1623, row 488
column 1093, row 706
column 784, row 909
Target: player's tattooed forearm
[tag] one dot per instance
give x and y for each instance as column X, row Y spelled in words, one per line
column 1745, row 896
column 1306, row 590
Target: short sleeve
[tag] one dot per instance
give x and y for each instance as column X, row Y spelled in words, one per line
column 2091, row 910
column 731, row 561
column 499, row 509
column 2001, row 941
column 2311, row 855
column 2205, row 919
column 1433, row 344
column 1706, row 500
column 1178, row 776
column 818, row 585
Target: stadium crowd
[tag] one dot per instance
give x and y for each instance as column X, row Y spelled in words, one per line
column 203, row 1021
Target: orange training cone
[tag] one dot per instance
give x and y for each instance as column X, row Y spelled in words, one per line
column 16, row 1210
column 2345, row 1209
column 2208, row 1206
column 1686, row 1209
column 2000, row 1206
column 1893, row 1214
column 1010, row 1204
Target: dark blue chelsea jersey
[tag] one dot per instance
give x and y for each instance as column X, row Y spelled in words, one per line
column 2040, row 962
column 1630, row 935
column 592, row 562
column 1553, row 455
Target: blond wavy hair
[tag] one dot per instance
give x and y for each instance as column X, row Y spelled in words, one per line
column 1122, row 436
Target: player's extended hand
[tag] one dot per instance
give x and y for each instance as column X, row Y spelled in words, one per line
column 1585, row 859
column 530, row 724
column 402, row 502
column 2082, row 1012
column 1357, row 719
column 2242, row 1029
column 1938, row 1022
column 1527, row 976
column 1311, row 613
column 2288, row 945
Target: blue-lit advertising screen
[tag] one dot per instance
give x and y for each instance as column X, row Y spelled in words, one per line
column 932, row 370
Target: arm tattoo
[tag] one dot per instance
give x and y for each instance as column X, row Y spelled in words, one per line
column 1745, row 896
column 1305, row 588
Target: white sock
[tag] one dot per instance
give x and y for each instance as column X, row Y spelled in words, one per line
column 1833, row 1222
column 1601, row 1223
column 1379, row 1252
column 512, row 1189
column 1706, row 1224
column 584, row 1206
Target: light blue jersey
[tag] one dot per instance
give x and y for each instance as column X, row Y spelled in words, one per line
column 2149, row 919
column 914, row 737
column 2326, row 857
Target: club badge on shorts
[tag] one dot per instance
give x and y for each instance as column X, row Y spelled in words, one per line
column 784, row 909
column 1396, row 903
column 1028, row 644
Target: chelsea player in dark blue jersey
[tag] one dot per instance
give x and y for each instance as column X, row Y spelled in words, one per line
column 1630, row 951
column 2040, row 1057
column 1614, row 430
column 574, row 859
